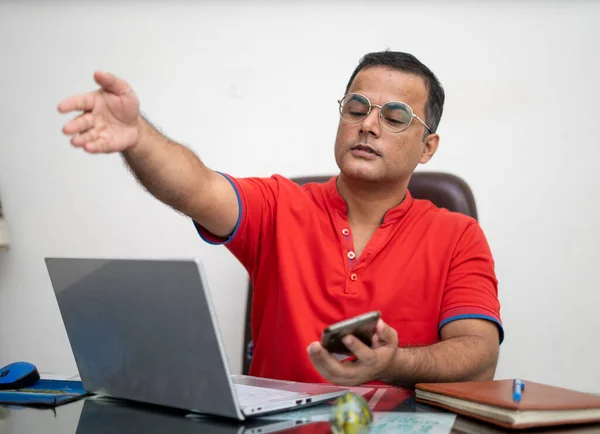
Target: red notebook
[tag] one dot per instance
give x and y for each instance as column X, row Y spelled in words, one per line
column 492, row 401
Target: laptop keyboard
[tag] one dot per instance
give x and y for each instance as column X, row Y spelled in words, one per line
column 251, row 395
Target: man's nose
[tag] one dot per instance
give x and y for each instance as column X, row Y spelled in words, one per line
column 371, row 123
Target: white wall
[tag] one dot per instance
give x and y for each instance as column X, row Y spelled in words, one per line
column 521, row 126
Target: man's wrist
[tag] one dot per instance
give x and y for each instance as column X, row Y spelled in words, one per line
column 410, row 366
column 395, row 372
column 145, row 133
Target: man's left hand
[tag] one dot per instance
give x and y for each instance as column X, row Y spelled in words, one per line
column 370, row 363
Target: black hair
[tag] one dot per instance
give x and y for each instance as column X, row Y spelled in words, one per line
column 410, row 64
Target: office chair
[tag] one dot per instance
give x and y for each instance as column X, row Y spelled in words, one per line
column 443, row 189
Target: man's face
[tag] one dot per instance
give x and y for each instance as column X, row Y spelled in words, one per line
column 396, row 154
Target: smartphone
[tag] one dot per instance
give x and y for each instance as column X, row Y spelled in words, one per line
column 362, row 326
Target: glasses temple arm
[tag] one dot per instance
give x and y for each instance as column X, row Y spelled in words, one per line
column 424, row 124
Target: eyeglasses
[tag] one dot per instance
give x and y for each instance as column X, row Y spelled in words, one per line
column 394, row 116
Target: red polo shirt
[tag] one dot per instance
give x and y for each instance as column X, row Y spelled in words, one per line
column 423, row 267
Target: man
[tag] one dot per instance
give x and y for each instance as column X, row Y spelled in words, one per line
column 325, row 252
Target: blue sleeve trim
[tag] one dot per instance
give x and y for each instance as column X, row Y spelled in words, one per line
column 475, row 316
column 237, row 224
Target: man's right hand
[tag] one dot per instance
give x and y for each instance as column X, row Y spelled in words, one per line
column 110, row 118
column 111, row 122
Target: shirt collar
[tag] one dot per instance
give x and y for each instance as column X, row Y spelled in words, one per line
column 337, row 202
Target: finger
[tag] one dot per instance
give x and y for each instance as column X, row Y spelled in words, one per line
column 95, row 147
column 83, row 102
column 82, row 139
column 376, row 342
column 359, row 349
column 327, row 365
column 111, row 83
column 387, row 333
column 80, row 124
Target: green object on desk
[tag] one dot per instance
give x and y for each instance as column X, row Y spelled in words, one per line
column 46, row 393
column 350, row 414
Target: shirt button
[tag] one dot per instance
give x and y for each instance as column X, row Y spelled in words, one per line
column 353, row 276
column 345, row 232
column 351, row 255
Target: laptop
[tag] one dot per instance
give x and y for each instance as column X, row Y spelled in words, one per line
column 146, row 330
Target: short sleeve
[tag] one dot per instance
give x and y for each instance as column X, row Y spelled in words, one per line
column 257, row 201
column 471, row 289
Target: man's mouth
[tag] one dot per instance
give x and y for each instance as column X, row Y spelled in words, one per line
column 365, row 148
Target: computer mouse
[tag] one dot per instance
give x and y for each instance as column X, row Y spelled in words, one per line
column 18, row 375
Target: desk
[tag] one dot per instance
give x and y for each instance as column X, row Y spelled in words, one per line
column 106, row 416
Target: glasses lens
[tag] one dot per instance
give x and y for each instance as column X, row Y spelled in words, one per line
column 354, row 108
column 396, row 116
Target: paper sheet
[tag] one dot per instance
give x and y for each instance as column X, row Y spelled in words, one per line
column 56, row 376
column 383, row 421
column 414, row 423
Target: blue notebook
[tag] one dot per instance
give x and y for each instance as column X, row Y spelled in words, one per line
column 47, row 393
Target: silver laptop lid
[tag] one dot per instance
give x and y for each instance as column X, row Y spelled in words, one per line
column 145, row 330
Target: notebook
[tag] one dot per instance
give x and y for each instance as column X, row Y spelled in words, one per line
column 468, row 425
column 47, row 393
column 492, row 401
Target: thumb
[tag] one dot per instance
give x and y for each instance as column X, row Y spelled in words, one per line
column 387, row 333
column 111, row 83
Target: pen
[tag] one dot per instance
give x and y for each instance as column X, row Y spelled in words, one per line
column 518, row 387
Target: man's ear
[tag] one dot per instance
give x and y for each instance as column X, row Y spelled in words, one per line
column 431, row 143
